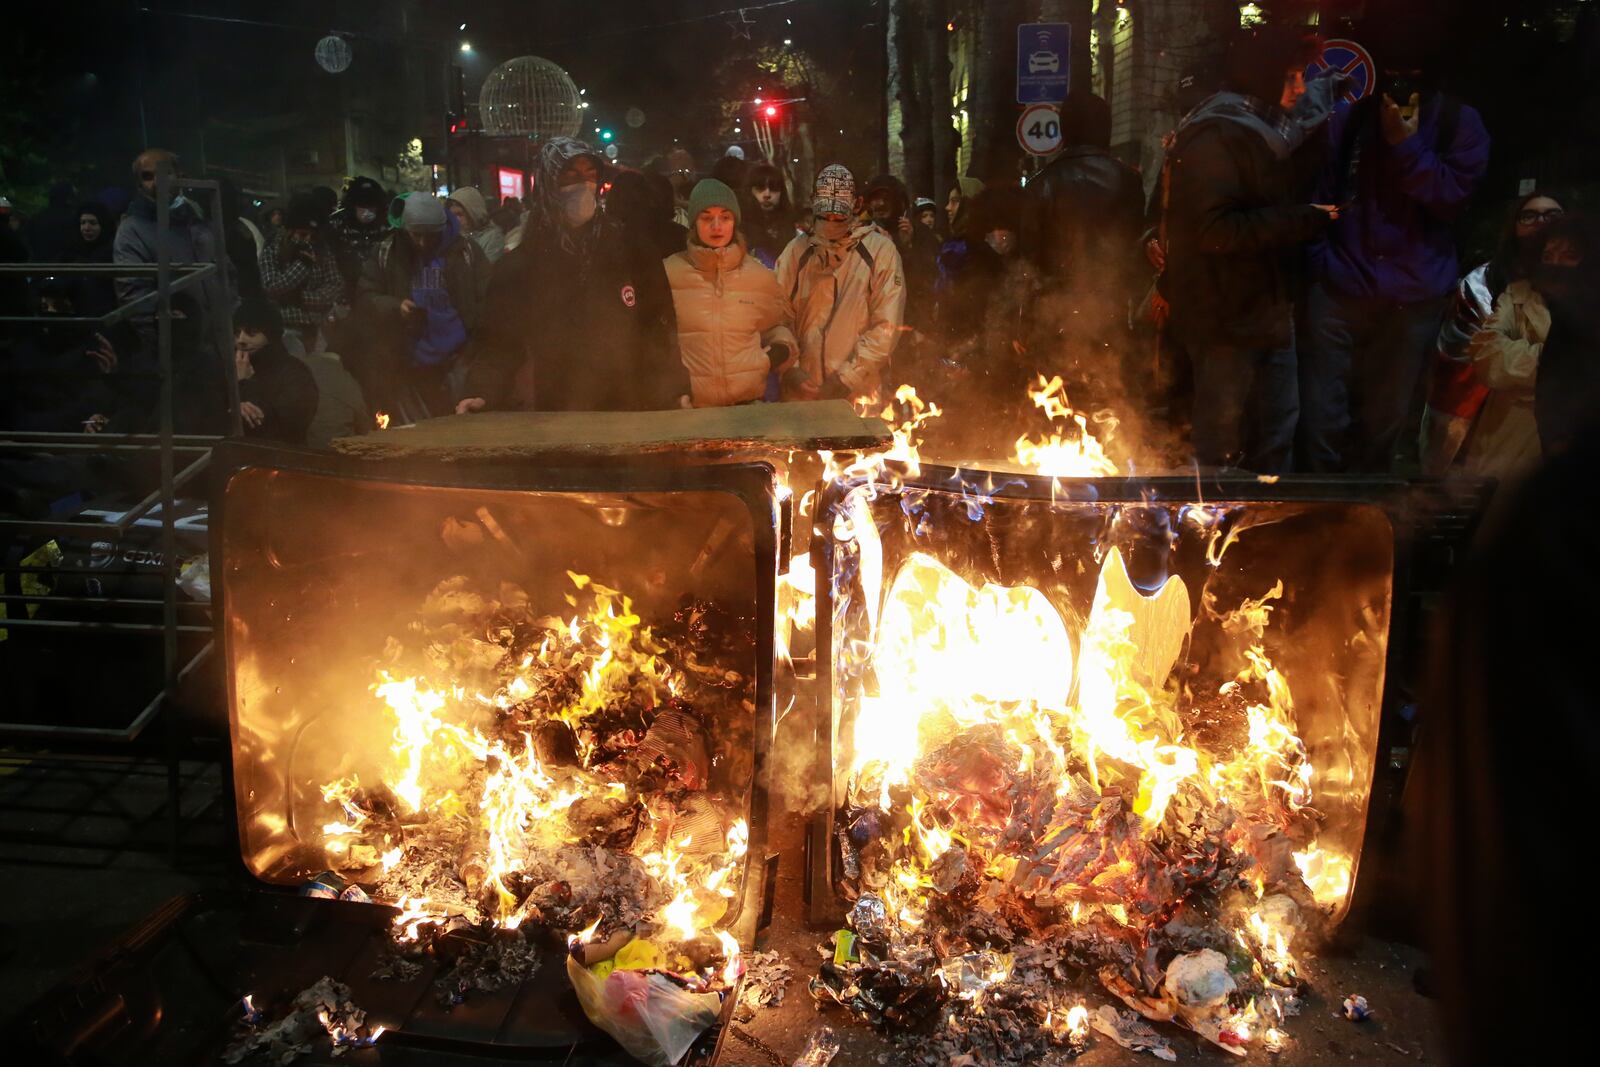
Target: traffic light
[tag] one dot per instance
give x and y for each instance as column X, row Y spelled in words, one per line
column 605, row 135
column 458, row 124
column 771, row 111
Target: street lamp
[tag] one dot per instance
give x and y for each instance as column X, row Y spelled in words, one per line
column 466, row 46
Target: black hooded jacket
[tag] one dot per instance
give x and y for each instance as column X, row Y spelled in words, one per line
column 1235, row 219
column 281, row 385
column 94, row 294
column 576, row 320
column 1081, row 221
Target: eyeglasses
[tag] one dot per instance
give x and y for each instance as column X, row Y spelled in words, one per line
column 1528, row 218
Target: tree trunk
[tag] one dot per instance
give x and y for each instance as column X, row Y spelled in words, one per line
column 994, row 111
column 907, row 59
column 1079, row 14
column 944, row 140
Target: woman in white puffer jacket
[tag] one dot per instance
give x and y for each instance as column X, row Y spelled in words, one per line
column 733, row 321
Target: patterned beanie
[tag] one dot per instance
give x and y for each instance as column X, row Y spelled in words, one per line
column 835, row 192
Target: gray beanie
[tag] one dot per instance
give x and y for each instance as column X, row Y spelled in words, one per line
column 423, row 212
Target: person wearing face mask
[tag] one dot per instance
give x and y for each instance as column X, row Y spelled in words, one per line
column 357, row 227
column 847, row 286
column 1567, row 393
column 1480, row 394
column 187, row 239
column 579, row 316
column 277, row 392
column 421, row 296
column 732, row 332
column 769, row 220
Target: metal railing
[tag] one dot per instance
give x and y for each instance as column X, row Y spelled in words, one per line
column 153, row 308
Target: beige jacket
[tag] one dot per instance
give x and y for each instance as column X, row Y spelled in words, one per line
column 849, row 303
column 1505, row 354
column 729, row 310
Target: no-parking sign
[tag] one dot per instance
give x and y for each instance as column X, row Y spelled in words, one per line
column 1349, row 58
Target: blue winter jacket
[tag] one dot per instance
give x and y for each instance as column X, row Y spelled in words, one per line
column 1394, row 237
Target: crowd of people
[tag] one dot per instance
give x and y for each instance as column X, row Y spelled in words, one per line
column 1290, row 291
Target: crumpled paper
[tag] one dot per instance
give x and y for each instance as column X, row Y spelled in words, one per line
column 1131, row 1032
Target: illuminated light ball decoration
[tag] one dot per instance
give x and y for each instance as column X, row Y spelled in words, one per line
column 333, row 54
column 529, row 97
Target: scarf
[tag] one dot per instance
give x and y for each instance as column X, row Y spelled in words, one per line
column 1283, row 131
column 817, row 307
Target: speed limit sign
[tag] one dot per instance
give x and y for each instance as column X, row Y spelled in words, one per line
column 1039, row 129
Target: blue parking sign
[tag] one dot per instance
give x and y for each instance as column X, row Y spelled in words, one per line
column 1044, row 62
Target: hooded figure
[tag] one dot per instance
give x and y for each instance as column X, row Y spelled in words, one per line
column 1567, row 279
column 1236, row 221
column 470, row 209
column 847, row 287
column 642, row 202
column 579, row 315
column 732, row 331
column 97, row 230
column 357, row 227
column 277, row 392
column 420, row 297
column 889, row 204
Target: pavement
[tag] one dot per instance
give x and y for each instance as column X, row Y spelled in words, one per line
column 86, row 851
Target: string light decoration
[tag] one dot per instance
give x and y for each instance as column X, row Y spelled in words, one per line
column 530, row 97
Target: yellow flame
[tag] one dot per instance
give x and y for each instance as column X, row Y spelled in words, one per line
column 1078, row 1022
column 731, row 968
column 1077, row 454
column 1327, row 874
column 584, row 936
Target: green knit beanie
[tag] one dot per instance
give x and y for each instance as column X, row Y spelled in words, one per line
column 712, row 193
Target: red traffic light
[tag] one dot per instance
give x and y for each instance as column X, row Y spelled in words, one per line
column 772, row 112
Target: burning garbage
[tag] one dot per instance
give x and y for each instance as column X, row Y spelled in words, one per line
column 546, row 775
column 322, row 1012
column 1033, row 802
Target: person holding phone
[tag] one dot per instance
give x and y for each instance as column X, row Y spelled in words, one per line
column 1403, row 164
